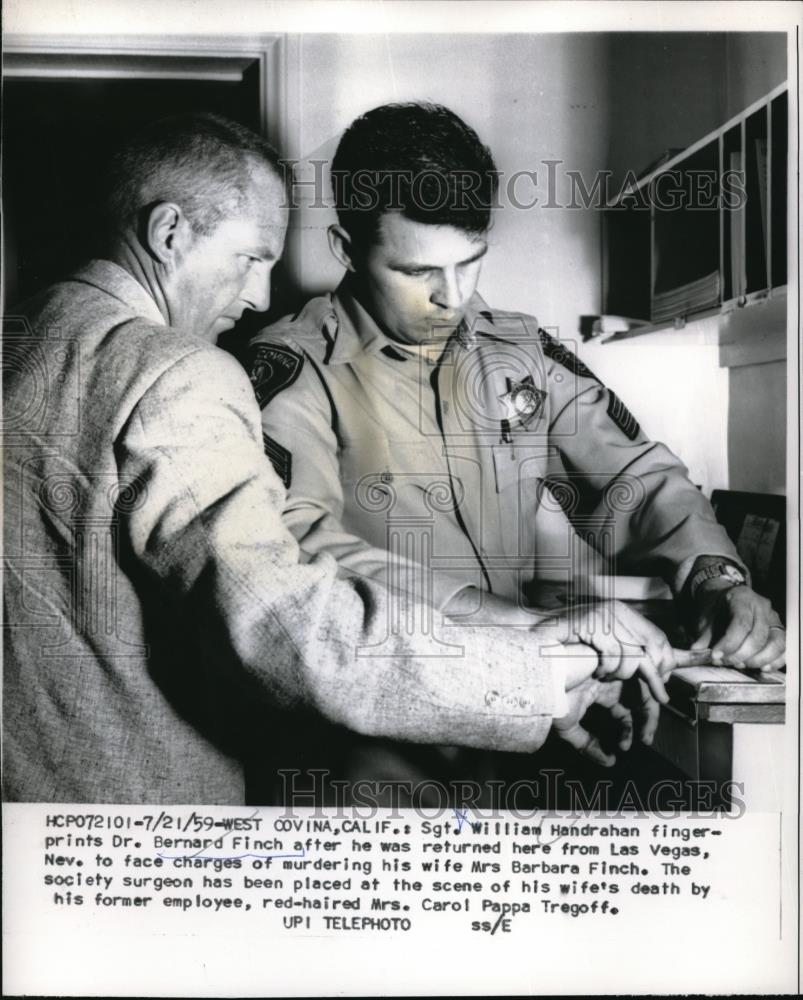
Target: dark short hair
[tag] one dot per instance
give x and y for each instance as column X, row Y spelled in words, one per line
column 417, row 158
column 200, row 161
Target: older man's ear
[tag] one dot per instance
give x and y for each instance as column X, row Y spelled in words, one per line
column 165, row 232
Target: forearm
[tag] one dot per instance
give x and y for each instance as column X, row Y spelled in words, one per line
column 380, row 665
column 472, row 606
column 320, row 531
column 210, row 534
column 652, row 518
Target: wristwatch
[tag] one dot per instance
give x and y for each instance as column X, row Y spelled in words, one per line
column 716, row 570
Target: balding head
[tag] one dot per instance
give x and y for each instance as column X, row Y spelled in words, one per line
column 201, row 162
column 196, row 210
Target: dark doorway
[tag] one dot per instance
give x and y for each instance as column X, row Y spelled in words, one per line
column 60, row 122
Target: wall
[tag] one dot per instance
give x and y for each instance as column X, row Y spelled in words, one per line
column 530, row 97
column 590, row 101
column 668, row 90
column 755, row 63
column 672, row 382
column 757, row 428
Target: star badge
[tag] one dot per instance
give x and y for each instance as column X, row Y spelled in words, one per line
column 523, row 402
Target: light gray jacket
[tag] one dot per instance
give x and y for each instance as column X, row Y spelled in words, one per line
column 157, row 616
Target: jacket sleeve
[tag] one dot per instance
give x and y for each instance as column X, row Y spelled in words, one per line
column 202, row 519
column 634, row 494
column 298, row 428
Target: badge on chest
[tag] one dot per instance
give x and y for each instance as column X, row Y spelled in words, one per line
column 523, row 402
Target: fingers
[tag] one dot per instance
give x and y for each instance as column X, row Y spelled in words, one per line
column 738, row 620
column 754, row 642
column 643, row 664
column 609, row 693
column 650, row 714
column 609, row 696
column 749, row 617
column 587, row 745
column 590, row 625
column 693, row 657
column 652, row 639
column 626, row 643
column 703, row 640
column 625, row 719
column 777, row 664
column 601, row 634
column 773, row 655
column 578, row 661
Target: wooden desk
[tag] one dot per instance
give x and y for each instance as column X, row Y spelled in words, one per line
column 723, row 725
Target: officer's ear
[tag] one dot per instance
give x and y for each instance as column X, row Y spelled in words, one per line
column 341, row 246
column 165, row 232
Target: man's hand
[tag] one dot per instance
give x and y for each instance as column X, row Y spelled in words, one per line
column 568, row 727
column 741, row 624
column 624, row 700
column 621, row 699
column 625, row 642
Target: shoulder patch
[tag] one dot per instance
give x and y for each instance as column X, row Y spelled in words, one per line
column 272, row 368
column 280, row 458
column 622, row 417
column 555, row 350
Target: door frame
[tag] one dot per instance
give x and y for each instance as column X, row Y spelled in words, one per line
column 196, row 57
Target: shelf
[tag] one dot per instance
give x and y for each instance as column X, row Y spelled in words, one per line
column 707, row 229
column 675, row 324
column 770, row 349
column 686, row 237
column 779, row 92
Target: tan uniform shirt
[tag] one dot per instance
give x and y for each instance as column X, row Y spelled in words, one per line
column 493, row 460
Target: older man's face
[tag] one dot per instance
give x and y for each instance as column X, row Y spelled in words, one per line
column 223, row 274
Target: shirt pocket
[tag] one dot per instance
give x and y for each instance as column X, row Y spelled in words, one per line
column 519, row 465
column 420, row 479
column 415, row 464
column 519, row 472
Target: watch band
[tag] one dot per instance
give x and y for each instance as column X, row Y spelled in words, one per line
column 716, row 570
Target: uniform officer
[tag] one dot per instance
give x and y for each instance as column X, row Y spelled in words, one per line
column 158, row 622
column 459, row 451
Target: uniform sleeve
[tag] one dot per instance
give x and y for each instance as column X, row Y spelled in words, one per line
column 201, row 518
column 299, row 436
column 634, row 495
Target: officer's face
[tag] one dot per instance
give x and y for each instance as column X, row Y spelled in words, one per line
column 228, row 271
column 416, row 279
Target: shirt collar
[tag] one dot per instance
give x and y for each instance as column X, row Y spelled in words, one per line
column 358, row 333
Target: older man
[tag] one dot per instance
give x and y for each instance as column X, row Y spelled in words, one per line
column 157, row 617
